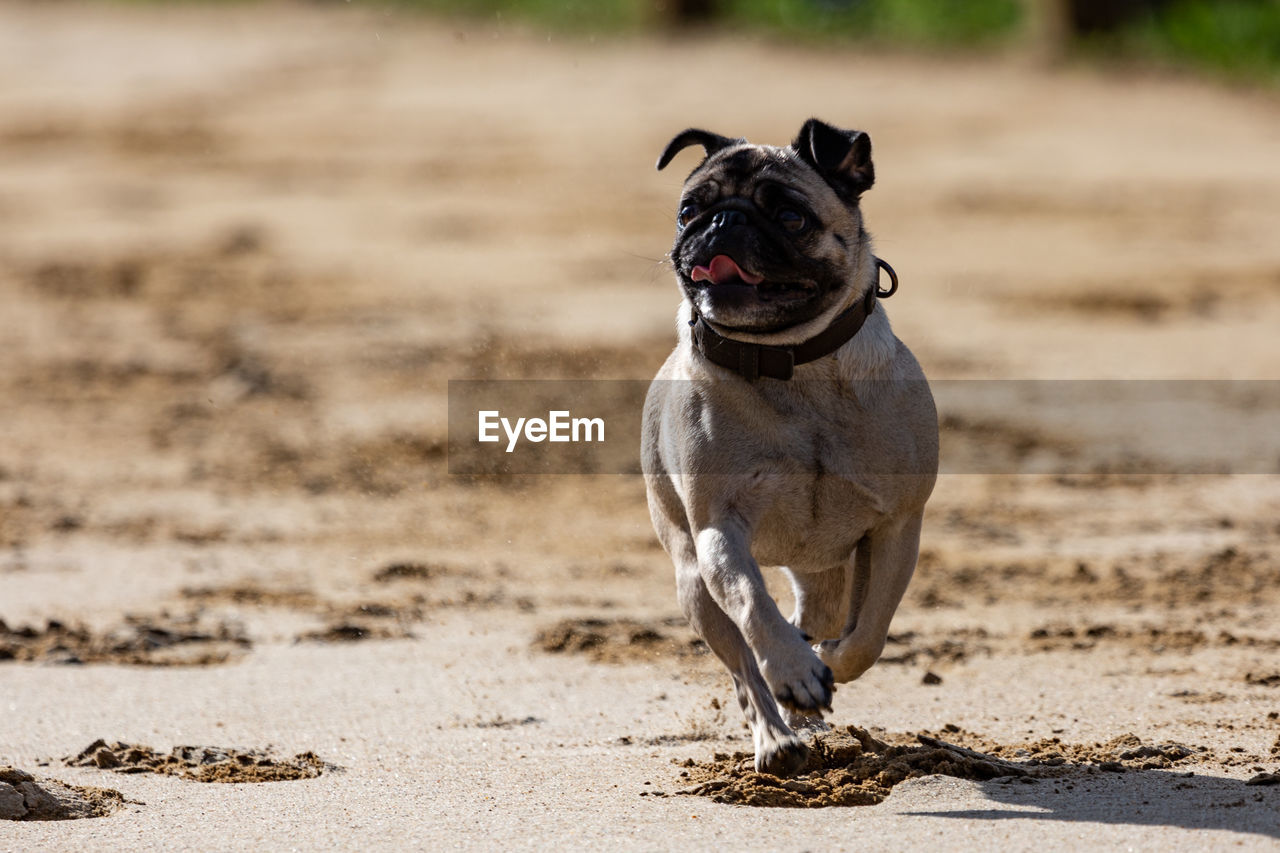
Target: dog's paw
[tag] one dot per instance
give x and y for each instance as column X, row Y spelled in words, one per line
column 798, row 678
column 781, row 757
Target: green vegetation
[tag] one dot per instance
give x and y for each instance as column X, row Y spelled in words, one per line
column 567, row 15
column 1239, row 39
column 932, row 23
column 935, row 23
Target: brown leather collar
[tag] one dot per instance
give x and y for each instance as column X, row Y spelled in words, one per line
column 752, row 361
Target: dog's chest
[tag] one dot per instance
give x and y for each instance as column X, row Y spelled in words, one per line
column 817, row 490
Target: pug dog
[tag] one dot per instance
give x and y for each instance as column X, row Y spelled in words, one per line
column 789, row 427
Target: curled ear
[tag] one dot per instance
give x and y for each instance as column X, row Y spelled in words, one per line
column 842, row 157
column 711, row 142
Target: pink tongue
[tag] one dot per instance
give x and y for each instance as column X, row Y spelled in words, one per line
column 724, row 268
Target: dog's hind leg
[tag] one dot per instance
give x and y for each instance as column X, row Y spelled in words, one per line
column 883, row 566
column 822, row 602
column 778, row 750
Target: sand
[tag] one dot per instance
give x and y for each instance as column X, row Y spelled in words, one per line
column 242, row 253
column 198, row 763
column 23, row 797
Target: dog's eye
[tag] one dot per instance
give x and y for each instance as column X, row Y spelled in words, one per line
column 791, row 219
column 686, row 214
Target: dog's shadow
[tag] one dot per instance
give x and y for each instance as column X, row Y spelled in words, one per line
column 1135, row 797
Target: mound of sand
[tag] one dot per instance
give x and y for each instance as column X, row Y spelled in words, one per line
column 850, row 767
column 160, row 640
column 23, row 798
column 199, row 763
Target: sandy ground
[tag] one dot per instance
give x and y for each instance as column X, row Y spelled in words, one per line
column 242, row 252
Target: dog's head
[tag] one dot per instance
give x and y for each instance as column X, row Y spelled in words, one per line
column 768, row 238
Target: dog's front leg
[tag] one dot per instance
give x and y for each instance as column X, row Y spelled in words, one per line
column 777, row 749
column 795, row 675
column 881, row 575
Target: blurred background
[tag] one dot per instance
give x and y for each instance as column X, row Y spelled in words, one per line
column 1237, row 39
column 244, row 247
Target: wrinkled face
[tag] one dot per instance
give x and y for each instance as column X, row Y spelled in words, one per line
column 763, row 241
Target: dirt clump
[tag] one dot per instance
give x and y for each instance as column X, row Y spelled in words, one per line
column 24, row 798
column 408, row 571
column 846, row 767
column 160, row 640
column 252, row 595
column 620, row 640
column 850, row 767
column 199, row 763
column 351, row 632
column 1259, row 679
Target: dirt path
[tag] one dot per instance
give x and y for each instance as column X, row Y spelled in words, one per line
column 241, row 253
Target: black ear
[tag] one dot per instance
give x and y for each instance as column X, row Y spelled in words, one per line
column 842, row 157
column 712, row 142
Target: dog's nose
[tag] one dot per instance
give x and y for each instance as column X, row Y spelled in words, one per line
column 725, row 218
